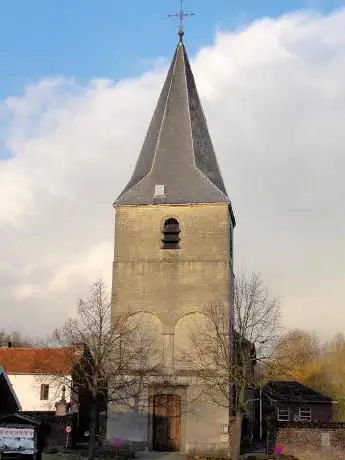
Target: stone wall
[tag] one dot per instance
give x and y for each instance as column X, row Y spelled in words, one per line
column 306, row 438
column 172, row 288
column 171, row 283
column 202, row 421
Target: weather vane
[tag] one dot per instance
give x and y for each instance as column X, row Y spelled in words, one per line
column 181, row 15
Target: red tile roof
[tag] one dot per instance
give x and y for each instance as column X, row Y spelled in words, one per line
column 37, row 360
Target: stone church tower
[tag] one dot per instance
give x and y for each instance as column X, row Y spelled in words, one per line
column 173, row 254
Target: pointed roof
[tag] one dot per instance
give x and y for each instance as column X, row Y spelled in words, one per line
column 177, row 151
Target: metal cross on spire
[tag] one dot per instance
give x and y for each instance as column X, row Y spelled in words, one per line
column 181, row 15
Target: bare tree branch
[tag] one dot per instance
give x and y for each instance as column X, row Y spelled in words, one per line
column 224, row 354
column 110, row 356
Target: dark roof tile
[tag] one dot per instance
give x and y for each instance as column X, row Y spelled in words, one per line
column 292, row 391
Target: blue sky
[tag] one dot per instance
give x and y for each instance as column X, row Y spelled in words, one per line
column 112, row 38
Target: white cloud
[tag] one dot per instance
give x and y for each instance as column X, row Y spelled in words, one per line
column 275, row 101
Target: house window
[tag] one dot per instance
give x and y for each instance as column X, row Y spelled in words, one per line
column 171, row 234
column 305, row 414
column 283, row 414
column 44, row 392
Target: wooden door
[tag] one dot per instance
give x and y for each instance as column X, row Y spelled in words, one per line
column 166, row 422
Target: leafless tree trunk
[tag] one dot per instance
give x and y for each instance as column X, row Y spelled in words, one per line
column 225, row 354
column 109, row 358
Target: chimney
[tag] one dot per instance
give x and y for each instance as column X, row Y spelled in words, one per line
column 9, row 344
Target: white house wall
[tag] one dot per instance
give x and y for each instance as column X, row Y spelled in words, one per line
column 28, row 390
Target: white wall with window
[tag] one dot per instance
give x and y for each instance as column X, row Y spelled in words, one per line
column 37, row 392
column 283, row 414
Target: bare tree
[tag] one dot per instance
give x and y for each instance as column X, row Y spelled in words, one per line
column 16, row 339
column 224, row 355
column 116, row 354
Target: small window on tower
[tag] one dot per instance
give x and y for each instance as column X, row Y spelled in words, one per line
column 171, row 234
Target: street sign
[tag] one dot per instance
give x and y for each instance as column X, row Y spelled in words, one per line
column 68, row 429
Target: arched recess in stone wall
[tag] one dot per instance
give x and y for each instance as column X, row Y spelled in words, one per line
column 143, row 340
column 195, row 342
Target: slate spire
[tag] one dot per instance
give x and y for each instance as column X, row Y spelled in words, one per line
column 177, row 163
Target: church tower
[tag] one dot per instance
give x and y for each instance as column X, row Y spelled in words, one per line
column 173, row 254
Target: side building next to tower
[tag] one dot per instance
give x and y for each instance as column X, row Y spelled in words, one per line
column 173, row 255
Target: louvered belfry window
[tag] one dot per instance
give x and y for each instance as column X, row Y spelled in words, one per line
column 171, row 234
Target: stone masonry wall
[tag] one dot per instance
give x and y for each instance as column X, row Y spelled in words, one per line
column 172, row 288
column 300, row 437
column 170, row 283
